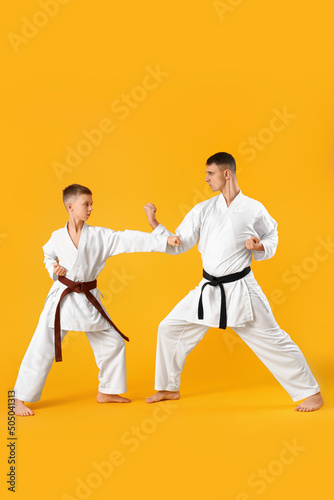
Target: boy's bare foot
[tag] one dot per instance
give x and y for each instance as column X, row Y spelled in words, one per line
column 22, row 410
column 162, row 395
column 111, row 398
column 311, row 403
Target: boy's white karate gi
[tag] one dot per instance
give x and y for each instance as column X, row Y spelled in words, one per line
column 83, row 264
column 222, row 232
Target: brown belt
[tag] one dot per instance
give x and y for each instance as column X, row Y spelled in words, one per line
column 78, row 287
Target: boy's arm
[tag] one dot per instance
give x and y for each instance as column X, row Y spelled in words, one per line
column 188, row 231
column 51, row 261
column 137, row 241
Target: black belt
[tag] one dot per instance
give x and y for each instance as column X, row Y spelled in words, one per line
column 213, row 281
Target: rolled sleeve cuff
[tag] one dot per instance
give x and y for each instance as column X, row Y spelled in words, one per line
column 53, row 276
column 160, row 229
column 261, row 254
column 161, row 244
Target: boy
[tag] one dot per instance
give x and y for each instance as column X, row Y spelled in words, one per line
column 74, row 257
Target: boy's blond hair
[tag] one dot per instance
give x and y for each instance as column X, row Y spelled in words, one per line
column 74, row 190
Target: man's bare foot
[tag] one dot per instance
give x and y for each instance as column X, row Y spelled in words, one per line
column 311, row 403
column 111, row 398
column 162, row 395
column 22, row 410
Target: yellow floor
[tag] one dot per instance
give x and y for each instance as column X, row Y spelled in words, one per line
column 241, row 443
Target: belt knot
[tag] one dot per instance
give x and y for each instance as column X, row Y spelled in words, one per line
column 218, row 281
column 78, row 287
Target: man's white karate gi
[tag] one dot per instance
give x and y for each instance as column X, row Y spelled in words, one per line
column 221, row 230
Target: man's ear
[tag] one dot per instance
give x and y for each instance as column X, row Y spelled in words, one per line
column 69, row 206
column 227, row 173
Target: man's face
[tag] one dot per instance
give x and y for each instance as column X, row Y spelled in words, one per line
column 81, row 207
column 215, row 177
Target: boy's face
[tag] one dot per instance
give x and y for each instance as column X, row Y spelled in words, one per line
column 81, row 207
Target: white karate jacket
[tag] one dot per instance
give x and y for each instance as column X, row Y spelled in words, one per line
column 221, row 232
column 96, row 245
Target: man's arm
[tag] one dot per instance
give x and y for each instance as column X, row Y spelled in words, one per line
column 254, row 243
column 265, row 243
column 151, row 211
column 188, row 231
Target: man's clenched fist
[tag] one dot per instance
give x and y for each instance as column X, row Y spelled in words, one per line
column 150, row 211
column 254, row 244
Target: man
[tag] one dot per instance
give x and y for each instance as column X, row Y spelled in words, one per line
column 230, row 229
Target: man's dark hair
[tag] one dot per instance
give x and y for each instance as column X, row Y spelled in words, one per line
column 223, row 159
column 74, row 190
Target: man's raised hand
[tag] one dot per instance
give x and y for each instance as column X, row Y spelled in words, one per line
column 254, row 243
column 58, row 270
column 174, row 241
column 150, row 211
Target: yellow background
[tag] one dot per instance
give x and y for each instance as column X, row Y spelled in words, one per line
column 227, row 71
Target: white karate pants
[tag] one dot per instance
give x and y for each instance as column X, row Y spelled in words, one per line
column 177, row 338
column 109, row 351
